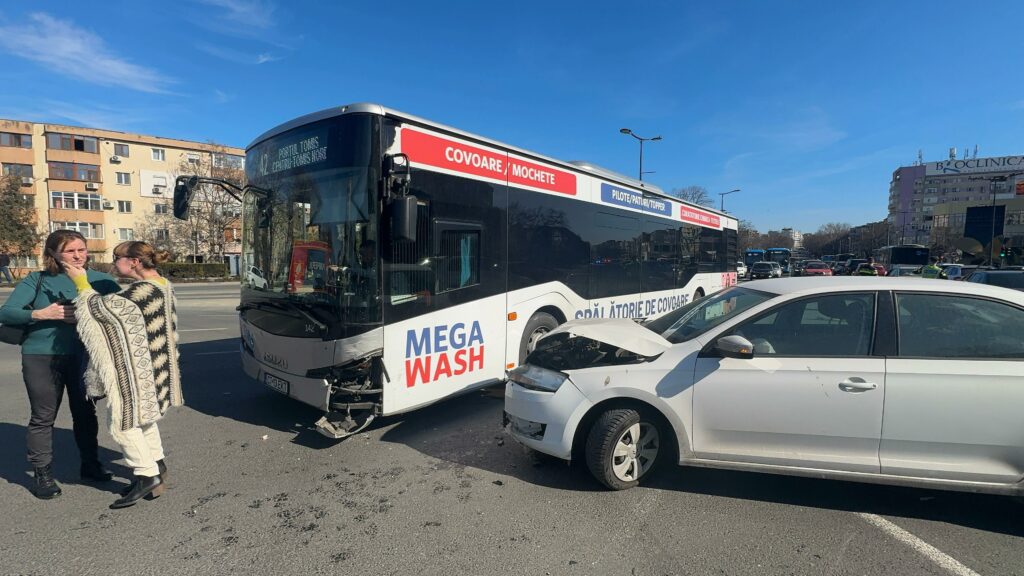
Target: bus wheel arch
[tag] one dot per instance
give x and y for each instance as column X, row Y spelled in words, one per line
column 543, row 321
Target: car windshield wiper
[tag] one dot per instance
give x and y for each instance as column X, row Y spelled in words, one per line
column 286, row 305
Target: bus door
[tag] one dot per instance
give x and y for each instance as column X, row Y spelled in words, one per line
column 444, row 318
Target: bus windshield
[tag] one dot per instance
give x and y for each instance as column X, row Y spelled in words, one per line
column 312, row 237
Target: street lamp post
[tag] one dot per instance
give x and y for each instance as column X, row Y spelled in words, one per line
column 642, row 140
column 723, row 195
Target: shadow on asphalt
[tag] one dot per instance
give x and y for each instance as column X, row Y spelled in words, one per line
column 466, row 430
column 213, row 383
column 15, row 469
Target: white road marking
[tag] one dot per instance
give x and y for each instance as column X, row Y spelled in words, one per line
column 932, row 553
column 202, row 330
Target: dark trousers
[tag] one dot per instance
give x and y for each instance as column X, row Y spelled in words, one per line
column 46, row 379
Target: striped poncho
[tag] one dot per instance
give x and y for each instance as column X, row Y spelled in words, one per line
column 132, row 340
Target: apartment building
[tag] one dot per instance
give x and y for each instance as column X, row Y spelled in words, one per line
column 110, row 186
column 947, row 188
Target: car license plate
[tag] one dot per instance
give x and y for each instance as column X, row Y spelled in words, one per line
column 276, row 383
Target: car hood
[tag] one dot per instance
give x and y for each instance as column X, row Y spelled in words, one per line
column 619, row 332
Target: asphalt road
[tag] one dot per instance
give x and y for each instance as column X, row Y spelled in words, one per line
column 253, row 490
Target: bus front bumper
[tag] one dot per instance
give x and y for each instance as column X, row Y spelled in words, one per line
column 312, row 391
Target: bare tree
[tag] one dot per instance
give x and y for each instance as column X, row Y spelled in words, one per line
column 694, row 195
column 778, row 239
column 747, row 236
column 213, row 211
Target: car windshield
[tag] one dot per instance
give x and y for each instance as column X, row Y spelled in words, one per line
column 762, row 266
column 702, row 315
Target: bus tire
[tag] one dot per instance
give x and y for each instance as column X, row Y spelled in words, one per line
column 540, row 324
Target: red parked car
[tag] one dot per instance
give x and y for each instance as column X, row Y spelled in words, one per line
column 816, row 268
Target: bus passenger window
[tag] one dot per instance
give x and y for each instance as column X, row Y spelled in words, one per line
column 459, row 260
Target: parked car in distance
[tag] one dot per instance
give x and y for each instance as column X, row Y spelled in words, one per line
column 741, row 270
column 798, row 267
column 763, row 270
column 851, row 266
column 957, row 271
column 790, row 376
column 816, row 268
column 1013, row 279
column 254, row 278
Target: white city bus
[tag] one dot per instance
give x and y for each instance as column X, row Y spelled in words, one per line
column 404, row 261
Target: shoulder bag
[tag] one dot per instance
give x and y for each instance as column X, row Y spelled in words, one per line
column 16, row 334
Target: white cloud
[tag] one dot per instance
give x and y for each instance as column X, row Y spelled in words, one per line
column 86, row 114
column 78, row 53
column 236, row 56
column 251, row 13
column 222, row 97
column 804, row 131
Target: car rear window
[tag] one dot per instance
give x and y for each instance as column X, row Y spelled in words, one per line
column 1015, row 281
column 816, row 266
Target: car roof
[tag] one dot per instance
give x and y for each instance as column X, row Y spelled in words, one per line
column 801, row 285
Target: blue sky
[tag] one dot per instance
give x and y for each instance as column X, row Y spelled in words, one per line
column 807, row 107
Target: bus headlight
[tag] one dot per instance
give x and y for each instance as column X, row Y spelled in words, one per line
column 536, row 378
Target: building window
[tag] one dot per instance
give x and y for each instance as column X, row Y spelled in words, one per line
column 75, row 201
column 161, row 235
column 56, row 141
column 124, row 178
column 228, row 161
column 124, row 206
column 20, row 170
column 87, row 229
column 121, row 150
column 69, row 171
column 160, row 208
column 193, row 158
column 125, row 234
column 158, row 154
column 15, row 140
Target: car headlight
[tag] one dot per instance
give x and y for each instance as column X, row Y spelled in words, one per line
column 536, row 378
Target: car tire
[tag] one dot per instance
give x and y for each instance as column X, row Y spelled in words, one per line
column 540, row 324
column 623, row 447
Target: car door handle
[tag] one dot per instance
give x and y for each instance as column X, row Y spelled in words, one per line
column 856, row 385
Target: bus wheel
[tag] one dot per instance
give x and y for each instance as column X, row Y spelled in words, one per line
column 540, row 324
column 698, row 294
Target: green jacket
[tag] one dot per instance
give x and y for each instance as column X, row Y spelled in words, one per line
column 931, row 271
column 49, row 336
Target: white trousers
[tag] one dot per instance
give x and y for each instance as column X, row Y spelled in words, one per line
column 141, row 447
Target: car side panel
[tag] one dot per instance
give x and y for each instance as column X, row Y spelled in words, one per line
column 954, row 419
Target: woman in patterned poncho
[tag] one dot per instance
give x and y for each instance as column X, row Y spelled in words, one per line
column 132, row 341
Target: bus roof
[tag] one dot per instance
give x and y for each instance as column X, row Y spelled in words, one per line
column 371, row 108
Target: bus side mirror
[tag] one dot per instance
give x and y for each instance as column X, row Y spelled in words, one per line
column 184, row 188
column 403, row 218
column 397, row 174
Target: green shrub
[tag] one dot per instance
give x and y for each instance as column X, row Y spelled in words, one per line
column 178, row 270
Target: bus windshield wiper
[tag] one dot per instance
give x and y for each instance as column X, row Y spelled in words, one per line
column 286, row 305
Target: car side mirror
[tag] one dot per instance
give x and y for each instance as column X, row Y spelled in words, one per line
column 735, row 347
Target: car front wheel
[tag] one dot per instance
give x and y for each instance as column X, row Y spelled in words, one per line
column 623, row 447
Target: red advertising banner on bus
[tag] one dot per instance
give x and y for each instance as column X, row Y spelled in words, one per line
column 431, row 150
column 699, row 217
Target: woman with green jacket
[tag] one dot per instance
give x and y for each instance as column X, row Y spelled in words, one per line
column 53, row 358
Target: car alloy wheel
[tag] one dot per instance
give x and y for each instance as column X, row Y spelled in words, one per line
column 622, row 448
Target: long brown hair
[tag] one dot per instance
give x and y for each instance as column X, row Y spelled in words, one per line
column 54, row 245
column 149, row 257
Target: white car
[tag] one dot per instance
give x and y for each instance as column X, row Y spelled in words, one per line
column 254, row 278
column 888, row 380
column 741, row 270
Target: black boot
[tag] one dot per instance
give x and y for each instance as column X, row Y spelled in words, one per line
column 45, row 488
column 93, row 471
column 142, row 487
column 163, row 481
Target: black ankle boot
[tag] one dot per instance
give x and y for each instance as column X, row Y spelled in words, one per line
column 142, row 486
column 45, row 487
column 93, row 471
column 163, row 480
